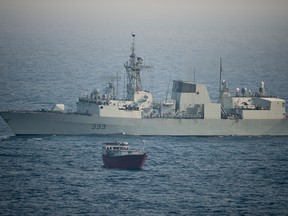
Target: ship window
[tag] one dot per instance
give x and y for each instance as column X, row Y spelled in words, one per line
column 101, row 107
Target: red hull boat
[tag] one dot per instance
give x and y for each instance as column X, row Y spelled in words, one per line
column 119, row 155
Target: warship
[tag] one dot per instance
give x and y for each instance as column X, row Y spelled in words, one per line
column 188, row 112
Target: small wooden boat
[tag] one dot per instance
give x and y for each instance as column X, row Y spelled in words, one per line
column 120, row 156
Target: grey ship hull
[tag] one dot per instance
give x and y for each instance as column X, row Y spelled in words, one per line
column 51, row 123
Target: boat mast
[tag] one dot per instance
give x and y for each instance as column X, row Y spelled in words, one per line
column 133, row 68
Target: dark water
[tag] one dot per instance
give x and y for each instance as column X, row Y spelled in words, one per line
column 63, row 175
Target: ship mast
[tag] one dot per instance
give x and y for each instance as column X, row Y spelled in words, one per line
column 220, row 79
column 133, row 68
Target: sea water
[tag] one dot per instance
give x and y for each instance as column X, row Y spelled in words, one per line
column 64, row 175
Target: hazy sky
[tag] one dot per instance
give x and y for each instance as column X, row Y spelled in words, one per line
column 143, row 12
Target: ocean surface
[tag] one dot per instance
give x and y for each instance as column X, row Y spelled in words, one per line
column 63, row 175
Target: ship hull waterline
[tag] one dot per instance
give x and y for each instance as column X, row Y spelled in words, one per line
column 50, row 123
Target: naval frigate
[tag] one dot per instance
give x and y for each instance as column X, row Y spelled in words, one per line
column 189, row 111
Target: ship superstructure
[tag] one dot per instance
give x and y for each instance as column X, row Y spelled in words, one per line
column 135, row 105
column 189, row 111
